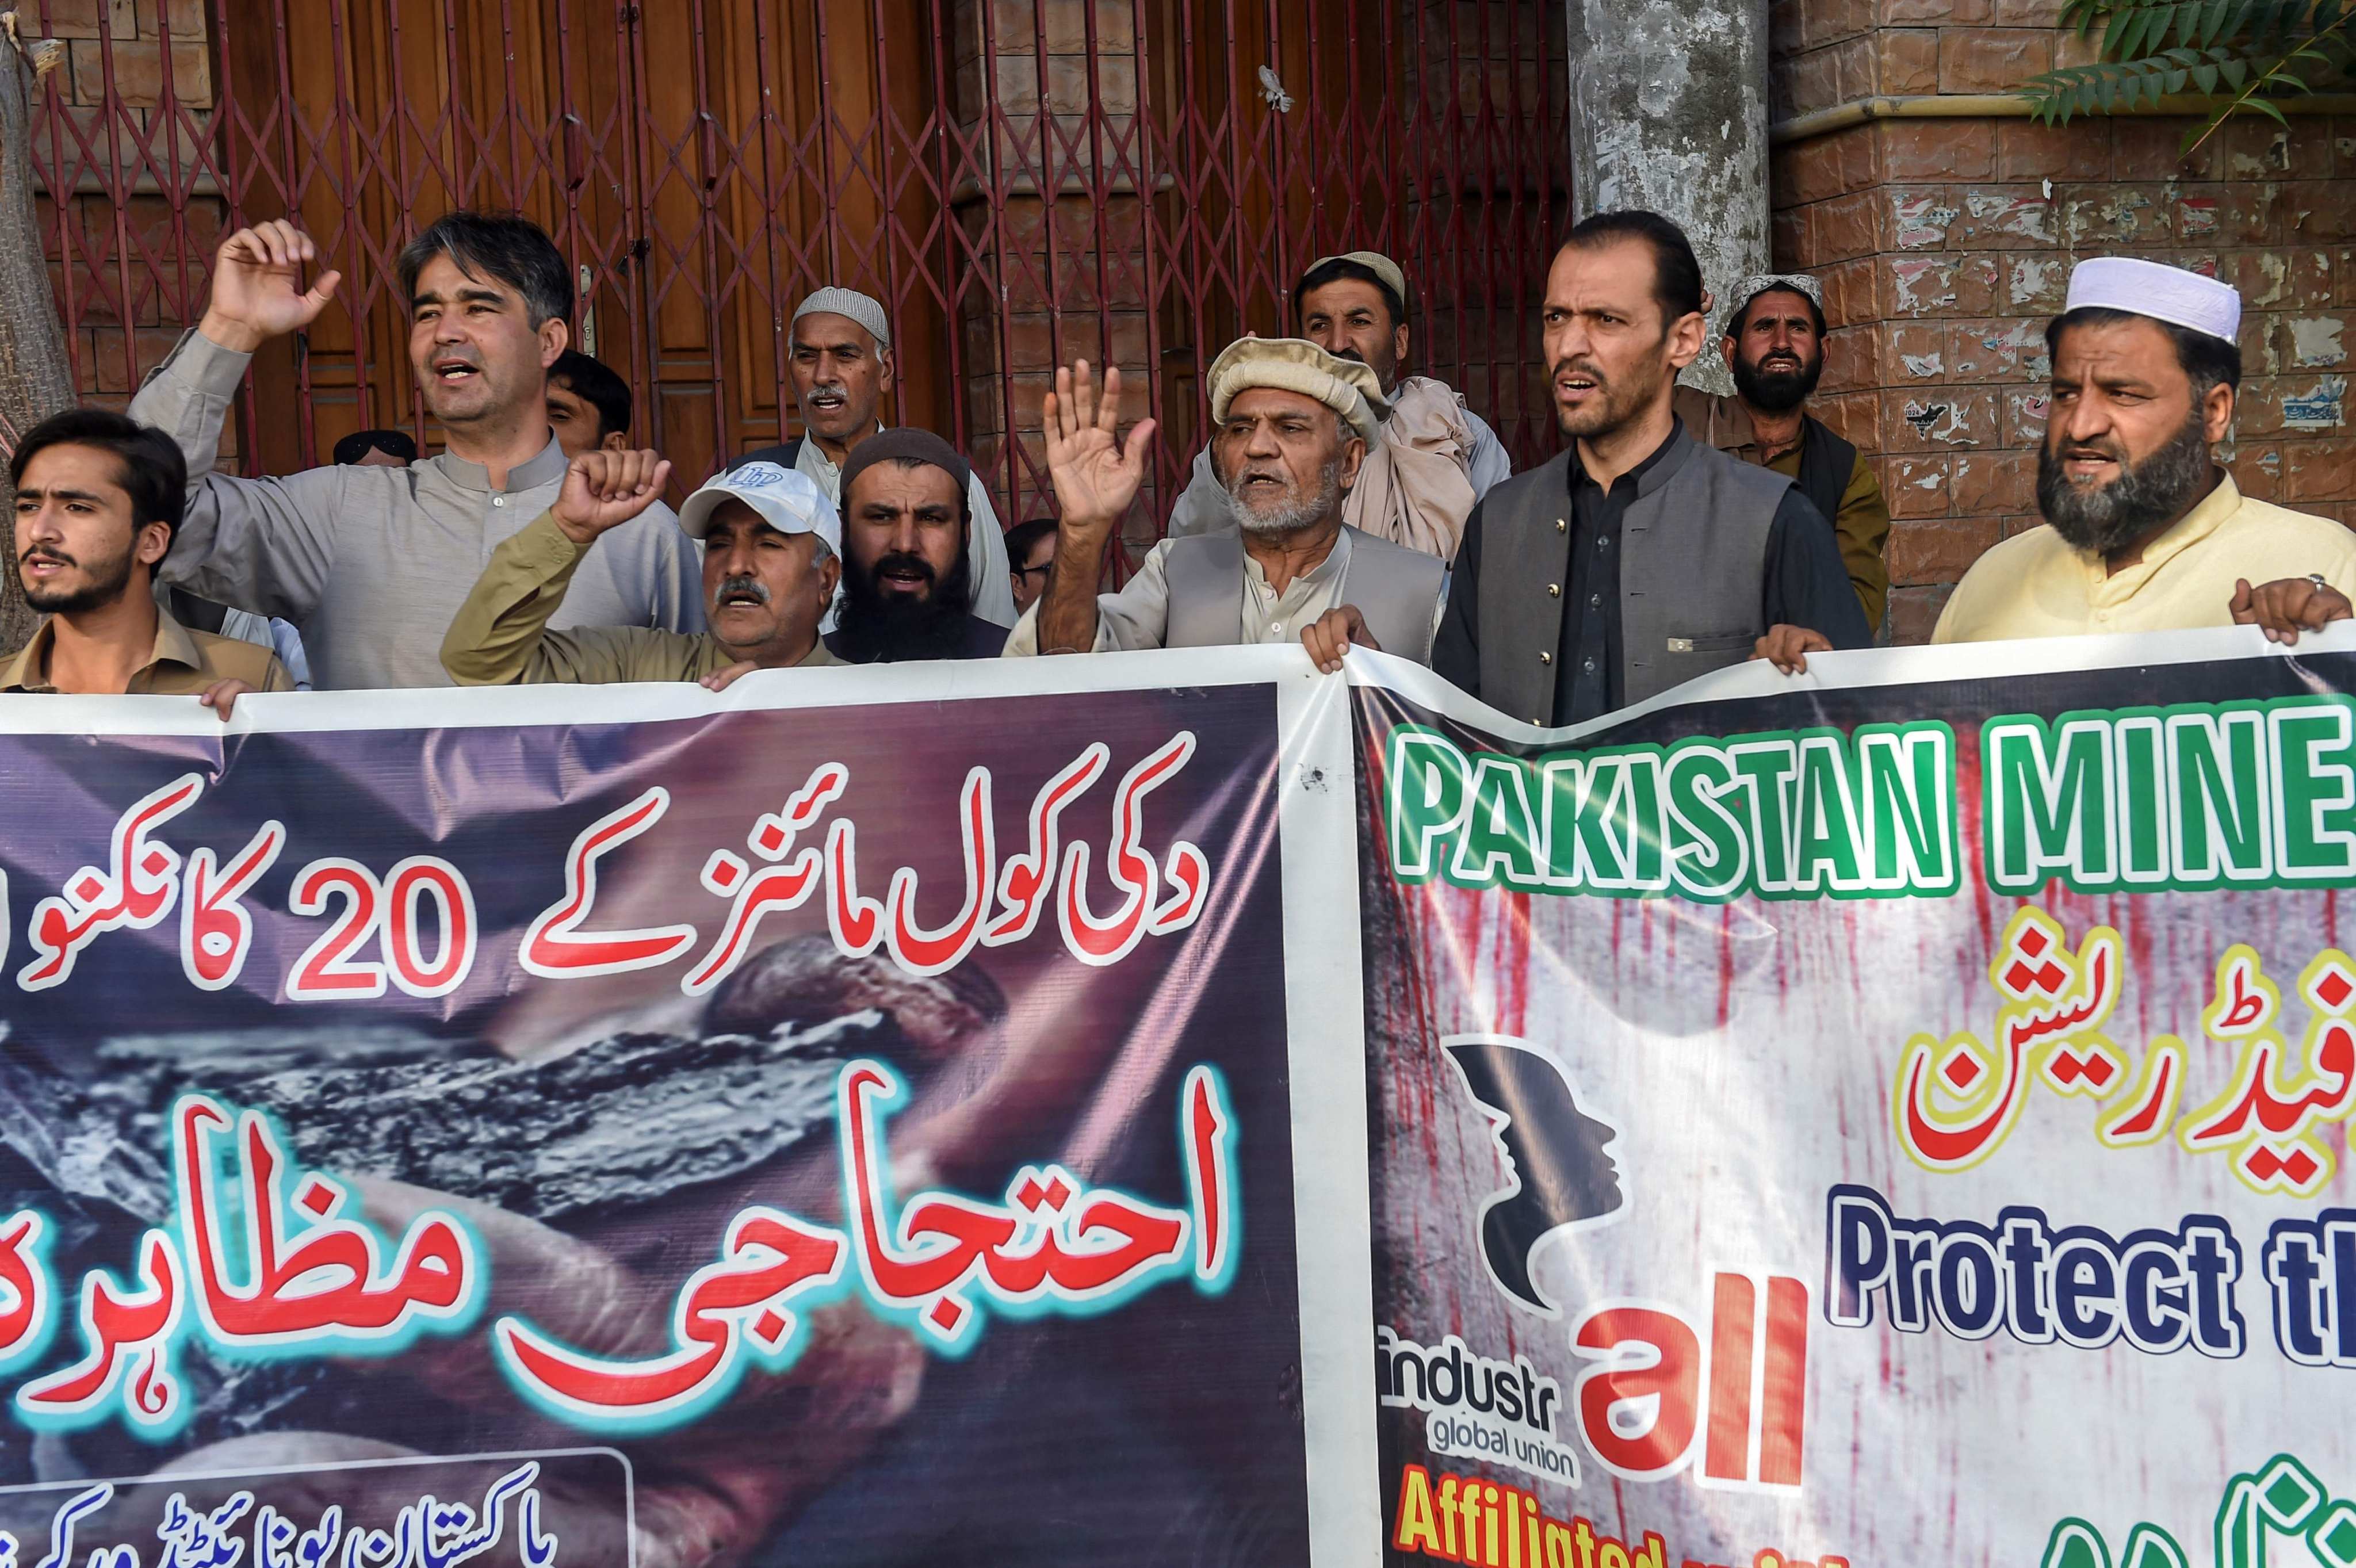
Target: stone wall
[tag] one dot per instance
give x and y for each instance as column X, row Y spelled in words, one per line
column 1945, row 243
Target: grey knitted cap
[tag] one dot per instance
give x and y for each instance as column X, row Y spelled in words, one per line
column 851, row 303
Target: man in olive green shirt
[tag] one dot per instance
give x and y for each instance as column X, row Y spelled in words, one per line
column 1775, row 344
column 98, row 500
column 772, row 555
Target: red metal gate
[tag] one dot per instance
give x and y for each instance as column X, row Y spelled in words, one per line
column 1019, row 181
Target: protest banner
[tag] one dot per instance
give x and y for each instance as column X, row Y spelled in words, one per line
column 848, row 1122
column 1892, row 1116
column 1180, row 1109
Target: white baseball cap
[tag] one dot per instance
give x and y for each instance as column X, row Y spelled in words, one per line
column 786, row 499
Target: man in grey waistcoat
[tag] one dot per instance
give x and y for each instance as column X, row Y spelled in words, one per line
column 1291, row 425
column 1641, row 557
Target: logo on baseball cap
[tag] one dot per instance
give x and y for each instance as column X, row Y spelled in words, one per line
column 784, row 497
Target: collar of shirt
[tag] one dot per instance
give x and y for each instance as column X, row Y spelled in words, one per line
column 1647, row 475
column 1336, row 562
column 28, row 670
column 2105, row 586
column 822, row 469
column 546, row 469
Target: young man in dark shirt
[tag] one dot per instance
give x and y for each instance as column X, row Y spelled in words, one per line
column 1640, row 558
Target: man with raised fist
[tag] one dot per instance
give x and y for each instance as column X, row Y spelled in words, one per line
column 372, row 562
column 772, row 555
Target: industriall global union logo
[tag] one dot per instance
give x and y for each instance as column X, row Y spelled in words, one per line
column 1559, row 1175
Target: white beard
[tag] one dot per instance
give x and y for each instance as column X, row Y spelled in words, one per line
column 1295, row 512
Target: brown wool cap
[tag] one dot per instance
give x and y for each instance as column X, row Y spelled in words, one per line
column 1296, row 365
column 908, row 441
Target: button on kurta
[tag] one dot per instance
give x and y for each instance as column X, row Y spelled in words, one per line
column 1553, row 590
column 499, row 500
column 1545, row 658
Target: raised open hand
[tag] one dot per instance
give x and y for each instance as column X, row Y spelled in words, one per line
column 1096, row 474
column 258, row 291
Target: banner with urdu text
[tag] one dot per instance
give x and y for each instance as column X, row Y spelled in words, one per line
column 853, row 1120
column 1177, row 1109
column 1897, row 1115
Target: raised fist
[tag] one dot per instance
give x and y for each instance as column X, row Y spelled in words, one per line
column 605, row 490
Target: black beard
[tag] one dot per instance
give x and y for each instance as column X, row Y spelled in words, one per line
column 1778, row 391
column 893, row 628
column 105, row 588
column 2145, row 497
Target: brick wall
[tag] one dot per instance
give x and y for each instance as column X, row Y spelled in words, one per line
column 1945, row 246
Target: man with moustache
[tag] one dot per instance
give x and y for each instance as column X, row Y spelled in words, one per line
column 2145, row 532
column 371, row 563
column 1293, row 425
column 841, row 362
column 98, row 500
column 1434, row 458
column 907, row 563
column 1640, row 558
column 1774, row 345
column 772, row 555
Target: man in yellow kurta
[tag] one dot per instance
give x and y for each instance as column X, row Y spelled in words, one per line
column 2145, row 532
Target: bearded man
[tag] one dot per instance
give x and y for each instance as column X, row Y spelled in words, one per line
column 1291, row 425
column 2145, row 532
column 1639, row 558
column 1432, row 458
column 908, row 581
column 1774, row 346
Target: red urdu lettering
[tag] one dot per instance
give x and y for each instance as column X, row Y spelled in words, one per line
column 775, row 887
column 1022, row 884
column 129, row 1339
column 1052, row 1239
column 216, row 933
column 310, row 1274
column 1209, row 1131
column 770, row 1258
column 135, row 891
column 922, row 951
column 857, row 922
column 1941, row 1146
column 1105, row 941
column 554, row 946
column 26, row 1313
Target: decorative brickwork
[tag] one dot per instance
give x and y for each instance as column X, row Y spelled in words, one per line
column 1945, row 245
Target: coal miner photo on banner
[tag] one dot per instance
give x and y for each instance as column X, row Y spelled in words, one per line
column 638, row 1127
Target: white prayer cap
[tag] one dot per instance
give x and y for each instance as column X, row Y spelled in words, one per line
column 785, row 498
column 849, row 302
column 2161, row 292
